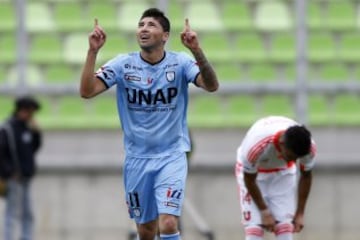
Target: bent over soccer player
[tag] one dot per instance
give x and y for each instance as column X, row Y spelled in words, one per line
column 152, row 96
column 266, row 177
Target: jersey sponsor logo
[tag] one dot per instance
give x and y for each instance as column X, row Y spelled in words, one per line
column 170, row 76
column 171, row 65
column 140, row 97
column 172, row 204
column 129, row 77
column 174, row 193
column 128, row 66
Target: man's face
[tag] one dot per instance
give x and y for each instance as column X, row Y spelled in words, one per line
column 150, row 34
column 288, row 155
column 26, row 114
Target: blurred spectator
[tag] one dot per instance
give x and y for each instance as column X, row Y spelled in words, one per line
column 20, row 139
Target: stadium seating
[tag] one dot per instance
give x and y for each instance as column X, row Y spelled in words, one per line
column 316, row 16
column 217, row 48
column 241, row 109
column 45, row 49
column 272, row 16
column 246, row 41
column 68, row 16
column 334, row 72
column 8, row 20
column 341, row 16
column 105, row 13
column 228, row 72
column 203, row 16
column 262, row 73
column 75, row 48
column 277, row 105
column 321, row 48
column 318, row 110
column 59, row 74
column 249, row 48
column 349, row 50
column 346, row 109
column 39, row 18
column 8, row 49
column 33, row 75
column 176, row 15
column 283, row 48
column 236, row 16
column 6, row 104
column 129, row 15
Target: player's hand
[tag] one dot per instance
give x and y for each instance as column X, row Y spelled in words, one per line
column 298, row 222
column 189, row 37
column 97, row 37
column 268, row 221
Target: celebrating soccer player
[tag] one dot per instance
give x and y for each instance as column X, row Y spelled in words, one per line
column 152, row 97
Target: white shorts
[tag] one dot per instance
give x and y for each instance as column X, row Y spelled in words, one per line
column 278, row 190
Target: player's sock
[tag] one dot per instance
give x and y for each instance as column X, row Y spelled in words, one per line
column 254, row 233
column 284, row 231
column 175, row 236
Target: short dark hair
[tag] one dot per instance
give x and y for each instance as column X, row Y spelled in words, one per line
column 298, row 140
column 26, row 102
column 159, row 16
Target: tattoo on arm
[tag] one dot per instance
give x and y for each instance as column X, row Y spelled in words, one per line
column 206, row 70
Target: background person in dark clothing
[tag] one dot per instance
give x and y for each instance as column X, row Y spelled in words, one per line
column 20, row 139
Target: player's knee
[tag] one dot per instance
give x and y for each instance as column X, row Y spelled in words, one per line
column 168, row 224
column 147, row 231
column 146, row 234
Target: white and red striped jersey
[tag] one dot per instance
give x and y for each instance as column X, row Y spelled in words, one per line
column 260, row 152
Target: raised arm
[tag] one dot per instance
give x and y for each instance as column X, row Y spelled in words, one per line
column 90, row 85
column 207, row 78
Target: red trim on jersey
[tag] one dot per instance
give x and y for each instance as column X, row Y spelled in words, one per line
column 277, row 140
column 258, row 148
column 238, row 168
column 271, row 170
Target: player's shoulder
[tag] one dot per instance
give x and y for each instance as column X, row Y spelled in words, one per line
column 275, row 121
column 127, row 56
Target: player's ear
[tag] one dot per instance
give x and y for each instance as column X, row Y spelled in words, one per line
column 166, row 36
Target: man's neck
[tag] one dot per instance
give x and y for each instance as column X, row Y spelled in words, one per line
column 152, row 57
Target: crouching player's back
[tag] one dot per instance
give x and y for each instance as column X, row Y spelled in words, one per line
column 266, row 175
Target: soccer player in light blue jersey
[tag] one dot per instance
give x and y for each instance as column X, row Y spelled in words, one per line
column 152, row 98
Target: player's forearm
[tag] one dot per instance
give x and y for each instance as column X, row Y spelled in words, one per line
column 87, row 84
column 254, row 191
column 207, row 72
column 303, row 191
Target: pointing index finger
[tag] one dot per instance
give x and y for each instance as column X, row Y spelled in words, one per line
column 96, row 22
column 187, row 25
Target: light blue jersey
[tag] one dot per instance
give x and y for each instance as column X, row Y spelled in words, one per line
column 152, row 101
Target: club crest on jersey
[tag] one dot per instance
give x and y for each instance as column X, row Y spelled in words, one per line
column 170, row 76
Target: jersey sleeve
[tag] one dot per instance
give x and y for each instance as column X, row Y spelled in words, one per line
column 252, row 152
column 110, row 72
column 190, row 68
column 307, row 162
